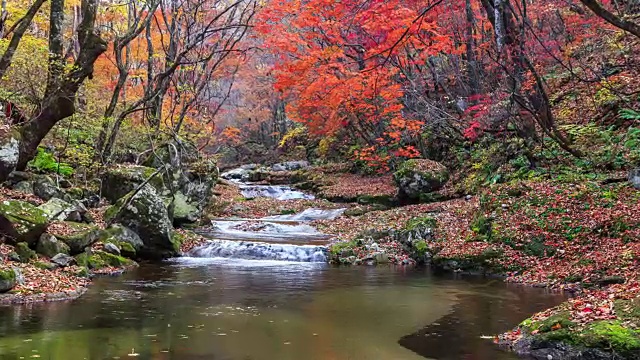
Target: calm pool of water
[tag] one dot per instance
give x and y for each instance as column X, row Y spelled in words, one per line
column 239, row 309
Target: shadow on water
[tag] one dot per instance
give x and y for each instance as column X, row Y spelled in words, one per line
column 246, row 309
column 466, row 332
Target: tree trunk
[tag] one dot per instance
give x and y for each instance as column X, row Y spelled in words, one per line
column 60, row 97
column 611, row 18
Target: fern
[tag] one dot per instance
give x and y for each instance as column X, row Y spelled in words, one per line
column 45, row 162
column 629, row 114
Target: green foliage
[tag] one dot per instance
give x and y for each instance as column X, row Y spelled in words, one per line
column 421, row 247
column 45, row 162
column 426, row 222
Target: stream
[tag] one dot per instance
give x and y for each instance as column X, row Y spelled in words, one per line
column 261, row 289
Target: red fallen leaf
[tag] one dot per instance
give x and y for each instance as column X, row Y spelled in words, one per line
column 587, row 310
column 557, row 326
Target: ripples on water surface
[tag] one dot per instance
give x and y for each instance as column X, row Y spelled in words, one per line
column 248, row 309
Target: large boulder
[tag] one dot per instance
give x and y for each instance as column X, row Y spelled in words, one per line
column 124, row 238
column 77, row 236
column 121, row 180
column 634, row 178
column 9, row 152
column 145, row 213
column 50, row 246
column 416, row 178
column 22, row 221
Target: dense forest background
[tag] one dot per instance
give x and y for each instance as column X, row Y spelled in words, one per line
column 495, row 89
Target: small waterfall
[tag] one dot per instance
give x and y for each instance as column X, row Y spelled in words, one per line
column 310, row 214
column 273, row 191
column 281, row 237
column 260, row 251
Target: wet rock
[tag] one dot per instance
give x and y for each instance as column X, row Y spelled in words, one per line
column 634, row 178
column 7, row 280
column 24, row 252
column 63, row 260
column 146, row 214
column 49, row 246
column 9, row 152
column 45, row 188
column 77, row 236
column 417, row 177
column 22, row 221
column 111, row 249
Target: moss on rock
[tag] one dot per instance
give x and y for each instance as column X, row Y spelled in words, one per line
column 22, row 221
column 24, row 252
column 417, row 177
column 77, row 236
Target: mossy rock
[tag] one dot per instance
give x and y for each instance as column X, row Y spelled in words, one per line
column 124, row 238
column 22, row 221
column 44, row 265
column 78, row 236
column 119, row 181
column 98, row 259
column 612, row 335
column 560, row 321
column 183, row 210
column 24, row 252
column 385, row 200
column 145, row 214
column 7, row 280
column 50, row 246
column 417, row 177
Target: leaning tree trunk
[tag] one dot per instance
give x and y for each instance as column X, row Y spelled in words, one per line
column 62, row 88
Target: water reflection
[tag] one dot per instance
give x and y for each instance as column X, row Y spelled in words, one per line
column 222, row 309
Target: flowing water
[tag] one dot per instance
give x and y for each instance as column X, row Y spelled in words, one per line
column 261, row 289
column 197, row 308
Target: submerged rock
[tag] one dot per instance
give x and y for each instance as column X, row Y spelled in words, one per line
column 22, row 221
column 145, row 213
